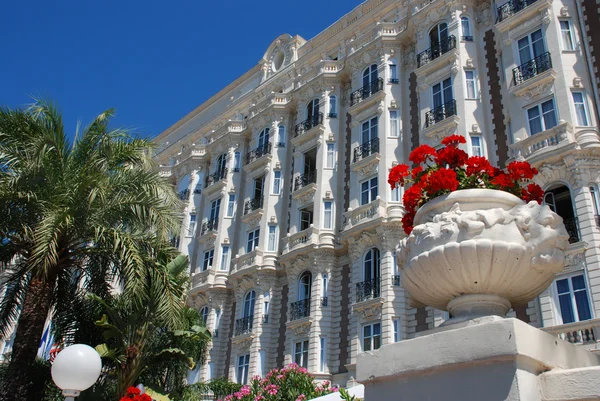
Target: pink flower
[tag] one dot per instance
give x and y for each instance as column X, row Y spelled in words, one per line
column 301, row 397
column 245, row 390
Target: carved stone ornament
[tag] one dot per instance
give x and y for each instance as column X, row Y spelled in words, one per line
column 485, row 250
column 538, row 90
column 307, row 197
column 368, row 310
column 300, row 327
column 243, row 342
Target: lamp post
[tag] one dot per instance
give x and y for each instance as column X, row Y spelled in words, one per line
column 75, row 369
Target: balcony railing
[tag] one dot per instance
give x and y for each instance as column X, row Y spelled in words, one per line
column 369, row 289
column 305, row 179
column 436, row 51
column 244, row 325
column 583, row 333
column 300, row 309
column 210, row 225
column 324, row 301
column 366, row 149
column 532, row 68
column 308, row 124
column 215, row 177
column 438, row 114
column 393, row 81
column 332, row 115
column 466, row 38
column 512, row 7
column 572, row 226
column 184, row 195
column 366, row 91
column 253, row 204
column 258, row 152
column 396, row 280
column 265, row 319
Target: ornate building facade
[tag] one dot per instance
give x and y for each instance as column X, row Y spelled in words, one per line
column 289, row 223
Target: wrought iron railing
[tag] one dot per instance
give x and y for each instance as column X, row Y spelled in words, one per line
column 440, row 113
column 253, row 204
column 366, row 149
column 210, row 225
column 305, row 179
column 393, row 81
column 532, row 68
column 197, row 191
column 215, row 177
column 512, row 7
column 308, row 124
column 265, row 319
column 332, row 115
column 258, row 152
column 300, row 309
column 366, row 91
column 466, row 38
column 396, row 280
column 243, row 325
column 280, row 144
column 572, row 226
column 368, row 290
column 436, row 51
column 324, row 301
column 215, row 333
column 184, row 195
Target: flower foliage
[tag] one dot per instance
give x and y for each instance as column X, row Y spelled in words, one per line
column 450, row 168
column 291, row 383
column 133, row 394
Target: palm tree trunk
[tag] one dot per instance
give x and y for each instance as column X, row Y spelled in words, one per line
column 21, row 383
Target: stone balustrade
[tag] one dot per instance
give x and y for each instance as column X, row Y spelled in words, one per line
column 370, row 211
column 584, row 333
column 556, row 137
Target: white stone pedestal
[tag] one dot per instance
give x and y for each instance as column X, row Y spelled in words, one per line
column 488, row 359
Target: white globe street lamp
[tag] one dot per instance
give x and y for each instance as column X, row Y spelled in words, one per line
column 75, row 369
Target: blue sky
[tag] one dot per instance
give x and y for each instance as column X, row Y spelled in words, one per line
column 154, row 61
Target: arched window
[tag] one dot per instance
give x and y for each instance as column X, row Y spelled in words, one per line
column 263, row 138
column 370, row 75
column 249, row 302
column 312, row 109
column 221, row 163
column 304, row 286
column 393, row 69
column 237, row 161
column 281, row 136
column 465, row 27
column 372, row 265
column 332, row 107
column 558, row 198
column 438, row 36
column 204, row 314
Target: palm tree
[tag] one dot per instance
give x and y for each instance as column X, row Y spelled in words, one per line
column 63, row 204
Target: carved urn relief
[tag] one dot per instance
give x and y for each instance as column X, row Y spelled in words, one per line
column 479, row 252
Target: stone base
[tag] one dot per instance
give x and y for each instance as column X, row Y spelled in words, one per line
column 489, row 359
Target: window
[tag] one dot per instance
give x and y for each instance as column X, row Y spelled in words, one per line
column 465, row 27
column 312, row 109
column 595, row 202
column 580, row 109
column 567, row 35
column 237, row 161
column 208, row 259
column 393, row 66
column 531, row 46
column 325, row 286
column 332, row 106
column 281, row 136
column 394, row 124
column 192, row 226
column 253, row 237
column 217, row 322
column 328, row 214
column 204, row 314
column 249, row 302
column 276, row 182
column 272, row 242
column 266, row 306
column 541, row 117
column 471, row 85
column 371, row 336
column 396, row 194
column 210, row 371
column 230, row 205
column 573, row 299
column 263, row 138
column 304, row 286
column 301, row 353
column 242, row 369
column 306, row 218
column 442, row 93
column 330, row 155
column 368, row 191
column 396, row 327
column 369, row 130
column 370, row 75
column 215, row 208
column 372, row 265
column 224, row 258
column 476, row 145
column 323, row 355
column 262, row 363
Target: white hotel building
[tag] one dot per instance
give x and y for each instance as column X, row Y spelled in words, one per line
column 289, row 222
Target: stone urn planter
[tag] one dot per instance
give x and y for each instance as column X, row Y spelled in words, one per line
column 479, row 252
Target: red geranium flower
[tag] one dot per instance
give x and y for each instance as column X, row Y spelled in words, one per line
column 407, row 222
column 479, row 164
column 521, row 170
column 451, row 156
column 412, row 196
column 422, row 154
column 533, row 192
column 443, row 179
column 416, row 171
column 503, row 181
column 453, row 140
column 397, row 174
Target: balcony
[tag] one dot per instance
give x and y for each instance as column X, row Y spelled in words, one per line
column 466, row 38
column 252, row 205
column 365, row 150
column 545, row 145
column 207, row 279
column 260, row 155
column 396, row 280
column 332, row 115
column 308, row 124
column 184, row 195
column 208, row 226
column 324, row 301
column 305, row 238
column 164, row 171
column 572, row 226
column 366, row 92
column 215, row 177
column 309, row 130
column 300, row 309
column 583, row 333
column 305, row 179
column 368, row 290
column 253, row 211
column 243, row 325
column 532, row 68
column 434, row 52
column 440, row 113
column 512, row 7
column 365, row 215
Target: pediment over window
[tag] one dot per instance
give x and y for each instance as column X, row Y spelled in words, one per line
column 282, row 52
